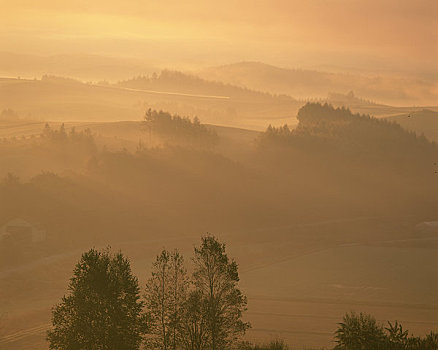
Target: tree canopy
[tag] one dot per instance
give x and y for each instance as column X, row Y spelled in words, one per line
column 103, row 310
column 176, row 130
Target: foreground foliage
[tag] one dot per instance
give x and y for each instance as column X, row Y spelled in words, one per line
column 103, row 310
column 204, row 312
column 363, row 332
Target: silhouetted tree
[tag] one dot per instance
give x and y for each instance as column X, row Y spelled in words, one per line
column 362, row 332
column 103, row 310
column 165, row 294
column 359, row 332
column 215, row 279
column 192, row 328
column 396, row 336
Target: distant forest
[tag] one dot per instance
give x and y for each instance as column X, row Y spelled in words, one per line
column 323, row 128
column 176, row 130
column 334, row 164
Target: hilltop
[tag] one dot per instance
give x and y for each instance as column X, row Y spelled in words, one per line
column 57, row 98
column 86, row 67
column 305, row 83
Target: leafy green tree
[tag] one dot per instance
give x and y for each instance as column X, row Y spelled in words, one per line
column 165, row 294
column 103, row 310
column 215, row 278
column 359, row 332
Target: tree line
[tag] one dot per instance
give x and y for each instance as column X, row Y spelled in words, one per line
column 83, row 138
column 322, row 126
column 176, row 130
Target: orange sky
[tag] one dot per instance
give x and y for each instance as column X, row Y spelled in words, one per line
column 363, row 34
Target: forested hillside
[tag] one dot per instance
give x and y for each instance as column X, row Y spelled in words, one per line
column 321, row 197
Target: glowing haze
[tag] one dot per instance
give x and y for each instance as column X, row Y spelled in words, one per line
column 372, row 35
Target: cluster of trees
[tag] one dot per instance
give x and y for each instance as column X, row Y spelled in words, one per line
column 80, row 140
column 323, row 122
column 177, row 130
column 370, row 161
column 198, row 311
column 61, row 136
column 362, row 331
column 338, row 131
column 104, row 309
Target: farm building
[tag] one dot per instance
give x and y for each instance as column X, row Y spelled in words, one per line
column 22, row 230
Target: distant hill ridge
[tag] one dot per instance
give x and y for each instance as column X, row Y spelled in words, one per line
column 305, row 83
column 176, row 81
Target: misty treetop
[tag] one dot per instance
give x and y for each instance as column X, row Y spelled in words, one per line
column 51, row 140
column 79, row 139
column 177, row 130
column 9, row 115
column 326, row 129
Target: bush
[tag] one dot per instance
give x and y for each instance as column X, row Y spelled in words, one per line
column 358, row 332
column 362, row 332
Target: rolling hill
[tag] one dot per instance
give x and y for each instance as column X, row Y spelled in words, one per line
column 77, row 66
column 315, row 228
column 424, row 122
column 317, row 84
column 55, row 98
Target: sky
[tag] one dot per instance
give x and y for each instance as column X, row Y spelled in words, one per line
column 370, row 35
